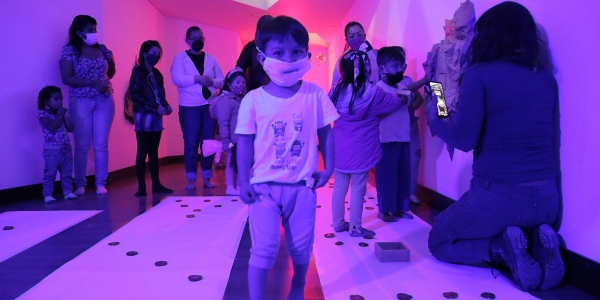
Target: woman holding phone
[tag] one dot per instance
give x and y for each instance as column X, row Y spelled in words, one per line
column 508, row 116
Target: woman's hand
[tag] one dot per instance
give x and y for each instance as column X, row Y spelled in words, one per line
column 100, row 86
column 162, row 110
column 203, row 80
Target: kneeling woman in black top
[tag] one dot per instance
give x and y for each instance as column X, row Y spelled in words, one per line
column 147, row 89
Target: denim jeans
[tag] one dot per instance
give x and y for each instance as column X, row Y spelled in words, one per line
column 392, row 177
column 462, row 232
column 358, row 181
column 92, row 119
column 196, row 126
column 58, row 159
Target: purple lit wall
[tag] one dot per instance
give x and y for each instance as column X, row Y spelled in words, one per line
column 572, row 30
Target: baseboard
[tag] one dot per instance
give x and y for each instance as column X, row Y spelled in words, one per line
column 580, row 271
column 34, row 191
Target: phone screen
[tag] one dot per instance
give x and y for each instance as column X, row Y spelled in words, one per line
column 438, row 91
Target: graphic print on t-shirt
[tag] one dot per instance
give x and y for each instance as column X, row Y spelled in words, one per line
column 298, row 122
column 287, row 159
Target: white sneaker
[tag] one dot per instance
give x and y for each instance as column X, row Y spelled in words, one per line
column 414, row 199
column 101, row 190
column 232, row 191
column 70, row 196
column 80, row 191
column 49, row 199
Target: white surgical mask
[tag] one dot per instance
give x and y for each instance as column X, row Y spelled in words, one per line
column 286, row 74
column 91, row 38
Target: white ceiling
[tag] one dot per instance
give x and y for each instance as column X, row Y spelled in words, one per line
column 322, row 17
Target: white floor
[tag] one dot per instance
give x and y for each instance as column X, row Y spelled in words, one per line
column 32, row 227
column 353, row 270
column 205, row 245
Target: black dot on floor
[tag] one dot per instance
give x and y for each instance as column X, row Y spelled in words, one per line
column 403, row 296
column 318, row 206
column 450, row 295
column 8, row 228
column 197, row 210
column 160, row 263
column 234, row 200
column 339, row 243
column 206, row 200
column 488, row 295
column 369, row 208
column 218, row 205
column 131, row 253
column 371, row 198
column 184, row 205
column 348, row 208
column 190, row 216
column 363, row 244
column 368, row 237
column 194, row 278
column 113, row 243
column 178, row 200
column 329, row 235
column 346, row 202
column 356, row 297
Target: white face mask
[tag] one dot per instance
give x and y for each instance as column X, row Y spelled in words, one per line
column 286, row 74
column 91, row 38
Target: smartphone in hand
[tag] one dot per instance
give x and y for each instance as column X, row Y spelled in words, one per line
column 438, row 90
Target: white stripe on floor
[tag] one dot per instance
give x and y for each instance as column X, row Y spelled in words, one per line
column 32, row 227
column 352, row 270
column 205, row 245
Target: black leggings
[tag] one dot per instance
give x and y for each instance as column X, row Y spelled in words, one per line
column 147, row 142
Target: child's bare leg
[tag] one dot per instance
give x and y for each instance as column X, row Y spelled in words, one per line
column 298, row 282
column 257, row 282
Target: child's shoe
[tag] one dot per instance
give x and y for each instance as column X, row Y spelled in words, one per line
column 101, row 190
column 191, row 185
column 414, row 199
column 70, row 196
column 361, row 232
column 342, row 228
column 208, row 184
column 80, row 191
column 49, row 199
column 232, row 191
column 404, row 215
column 387, row 217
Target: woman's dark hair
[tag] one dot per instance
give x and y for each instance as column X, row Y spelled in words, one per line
column 230, row 78
column 262, row 20
column 347, row 79
column 280, row 27
column 146, row 46
column 78, row 24
column 45, row 95
column 189, row 31
column 506, row 32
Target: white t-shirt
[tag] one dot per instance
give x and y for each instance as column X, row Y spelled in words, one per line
column 285, row 145
column 395, row 127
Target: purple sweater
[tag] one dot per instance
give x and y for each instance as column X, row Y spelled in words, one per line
column 508, row 115
column 357, row 146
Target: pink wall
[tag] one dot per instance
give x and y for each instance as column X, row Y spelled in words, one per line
column 571, row 27
column 225, row 45
column 33, row 34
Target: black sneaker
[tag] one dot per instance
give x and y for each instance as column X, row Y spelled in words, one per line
column 510, row 247
column 546, row 250
column 387, row 217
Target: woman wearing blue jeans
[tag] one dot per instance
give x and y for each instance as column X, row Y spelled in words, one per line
column 508, row 115
column 86, row 67
column 197, row 76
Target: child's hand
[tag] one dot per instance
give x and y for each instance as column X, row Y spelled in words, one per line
column 161, row 110
column 169, row 110
column 247, row 193
column 61, row 111
column 321, row 178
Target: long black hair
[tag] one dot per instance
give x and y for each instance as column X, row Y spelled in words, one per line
column 347, row 79
column 45, row 95
column 146, row 46
column 506, row 32
column 78, row 24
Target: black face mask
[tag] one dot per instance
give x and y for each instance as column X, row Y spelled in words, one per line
column 198, row 45
column 394, row 78
column 152, row 59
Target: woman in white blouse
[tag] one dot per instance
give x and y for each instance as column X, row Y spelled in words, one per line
column 197, row 76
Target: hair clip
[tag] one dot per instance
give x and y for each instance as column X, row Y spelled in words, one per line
column 234, row 70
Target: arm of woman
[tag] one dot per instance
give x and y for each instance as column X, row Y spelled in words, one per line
column 68, row 123
column 217, row 82
column 136, row 91
column 464, row 128
column 180, row 79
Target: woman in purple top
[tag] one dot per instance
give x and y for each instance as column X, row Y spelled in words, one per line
column 508, row 116
column 87, row 67
column 357, row 147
